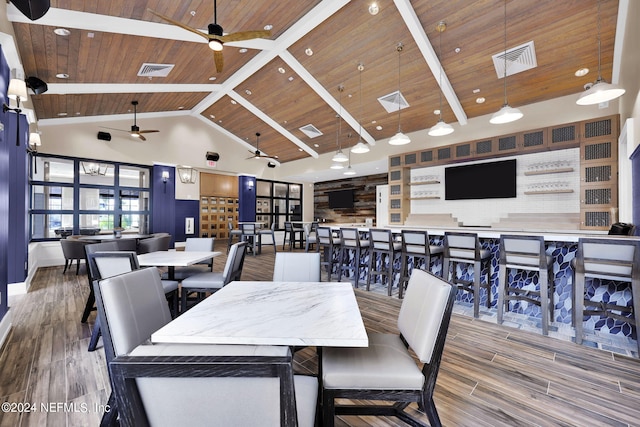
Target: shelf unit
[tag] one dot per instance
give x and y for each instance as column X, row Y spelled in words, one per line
column 549, row 192
column 424, row 198
column 215, row 214
column 548, row 171
column 424, row 182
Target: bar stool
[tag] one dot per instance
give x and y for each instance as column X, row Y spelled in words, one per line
column 526, row 253
column 464, row 248
column 415, row 244
column 350, row 241
column 251, row 236
column 381, row 242
column 606, row 259
column 291, row 235
column 326, row 243
column 268, row 232
column 233, row 232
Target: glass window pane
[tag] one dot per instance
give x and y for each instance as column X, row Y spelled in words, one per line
column 280, row 190
column 134, row 200
column 45, row 226
column 96, row 173
column 131, row 176
column 52, row 198
column 93, row 199
column 294, row 191
column 95, row 223
column 53, row 170
column 280, row 206
column 132, row 222
column 264, row 189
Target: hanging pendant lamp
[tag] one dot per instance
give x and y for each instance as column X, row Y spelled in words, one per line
column 339, row 156
column 601, row 91
column 399, row 138
column 441, row 128
column 507, row 113
column 361, row 147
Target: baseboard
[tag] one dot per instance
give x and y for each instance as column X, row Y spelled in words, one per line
column 5, row 327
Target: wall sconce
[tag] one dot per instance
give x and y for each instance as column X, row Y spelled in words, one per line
column 165, row 178
column 250, row 185
column 94, row 168
column 187, row 174
column 18, row 92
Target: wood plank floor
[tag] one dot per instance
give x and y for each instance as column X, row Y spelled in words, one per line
column 490, row 375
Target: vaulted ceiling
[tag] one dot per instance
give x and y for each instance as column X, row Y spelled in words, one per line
column 278, row 85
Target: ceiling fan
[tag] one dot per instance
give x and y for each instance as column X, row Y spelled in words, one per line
column 257, row 154
column 215, row 35
column 135, row 130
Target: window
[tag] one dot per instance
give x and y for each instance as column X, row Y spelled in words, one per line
column 278, row 202
column 81, row 196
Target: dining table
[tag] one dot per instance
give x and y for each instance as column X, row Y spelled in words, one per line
column 272, row 313
column 111, row 237
column 173, row 259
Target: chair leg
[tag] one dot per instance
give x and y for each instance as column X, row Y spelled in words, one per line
column 183, row 295
column 477, row 277
column 328, row 409
column 110, row 418
column 390, row 257
column 66, row 264
column 88, row 307
column 543, row 282
column 503, row 287
column 432, row 413
column 95, row 335
column 77, row 266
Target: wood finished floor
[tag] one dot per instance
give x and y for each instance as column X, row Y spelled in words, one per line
column 490, row 375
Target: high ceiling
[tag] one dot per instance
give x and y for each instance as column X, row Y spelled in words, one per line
column 275, row 86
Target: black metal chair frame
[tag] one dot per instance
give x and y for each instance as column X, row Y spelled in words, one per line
column 346, row 245
column 291, row 234
column 424, row 253
column 326, row 244
column 382, row 247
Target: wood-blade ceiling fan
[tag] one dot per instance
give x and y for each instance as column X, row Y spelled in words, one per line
column 257, row 154
column 135, row 130
column 215, row 35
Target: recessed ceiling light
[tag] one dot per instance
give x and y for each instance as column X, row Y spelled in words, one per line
column 181, row 108
column 62, row 114
column 290, row 78
column 212, row 78
column 373, row 8
column 91, row 35
column 78, row 113
column 316, row 145
column 378, row 127
column 582, row 72
column 308, row 51
column 281, row 70
column 62, row 75
column 193, row 13
column 299, row 149
column 212, row 116
column 436, row 112
column 62, row 31
column 233, row 101
column 248, row 92
column 268, row 27
column 457, row 50
column 480, row 100
column 243, row 50
column 373, row 122
column 476, row 91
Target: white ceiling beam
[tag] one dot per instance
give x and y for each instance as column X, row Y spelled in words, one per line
column 109, row 118
column 82, row 88
column 417, row 31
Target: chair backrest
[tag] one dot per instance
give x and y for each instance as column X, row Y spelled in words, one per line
column 131, row 307
column 424, row 315
column 154, row 244
column 607, row 258
column 350, row 237
column 297, row 267
column 248, row 228
column 199, row 244
column 127, row 244
column 235, row 261
column 109, row 264
column 73, row 248
column 97, row 247
column 381, row 239
column 212, row 387
column 523, row 251
column 464, row 246
column 324, row 236
column 415, row 242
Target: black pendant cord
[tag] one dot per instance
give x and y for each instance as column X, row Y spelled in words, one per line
column 505, row 52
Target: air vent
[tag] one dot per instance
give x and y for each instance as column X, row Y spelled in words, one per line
column 311, row 131
column 155, row 70
column 519, row 59
column 393, row 102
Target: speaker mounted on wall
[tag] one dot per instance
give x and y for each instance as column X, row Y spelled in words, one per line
column 213, row 157
column 104, row 136
column 32, row 9
column 36, row 85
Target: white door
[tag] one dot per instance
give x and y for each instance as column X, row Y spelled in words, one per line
column 382, row 205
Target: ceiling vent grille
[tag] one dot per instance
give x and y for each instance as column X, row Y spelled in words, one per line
column 311, row 131
column 155, row 70
column 393, row 102
column 519, row 59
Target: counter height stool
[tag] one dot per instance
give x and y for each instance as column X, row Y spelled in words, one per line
column 415, row 244
column 326, row 244
column 292, row 235
column 269, row 232
column 526, row 253
column 607, row 259
column 251, row 236
column 233, row 232
column 381, row 243
column 464, row 248
column 350, row 241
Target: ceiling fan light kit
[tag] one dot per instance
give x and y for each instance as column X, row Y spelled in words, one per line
column 601, row 91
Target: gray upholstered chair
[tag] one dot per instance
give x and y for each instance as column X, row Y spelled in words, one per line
column 73, row 250
column 310, row 236
column 416, row 245
column 213, row 281
column 251, row 237
column 382, row 243
column 291, row 235
column 297, row 267
column 233, row 232
column 327, row 242
column 271, row 232
column 204, row 244
column 386, row 370
column 154, row 244
column 606, row 259
column 88, row 249
column 465, row 248
column 526, row 253
column 350, row 240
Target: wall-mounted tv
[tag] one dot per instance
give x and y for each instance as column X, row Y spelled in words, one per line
column 340, row 199
column 493, row 180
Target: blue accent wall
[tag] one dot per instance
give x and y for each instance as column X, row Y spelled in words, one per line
column 635, row 187
column 18, row 196
column 247, row 198
column 187, row 209
column 5, row 174
column 163, row 218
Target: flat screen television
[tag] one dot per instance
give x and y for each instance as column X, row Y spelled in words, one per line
column 340, row 199
column 493, row 180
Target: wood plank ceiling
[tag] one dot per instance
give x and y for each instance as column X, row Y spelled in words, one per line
column 275, row 87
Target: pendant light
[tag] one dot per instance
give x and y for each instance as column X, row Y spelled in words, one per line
column 441, row 128
column 506, row 114
column 361, row 147
column 399, row 138
column 339, row 156
column 601, row 91
column 349, row 171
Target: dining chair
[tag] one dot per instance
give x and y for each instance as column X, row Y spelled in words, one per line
column 351, row 242
column 310, row 236
column 386, row 370
column 154, row 244
column 327, row 243
column 251, row 237
column 204, row 385
column 73, row 250
column 297, row 267
column 203, row 244
column 416, row 245
column 233, row 232
column 271, row 232
column 291, row 235
column 382, row 244
column 213, row 281
column 88, row 249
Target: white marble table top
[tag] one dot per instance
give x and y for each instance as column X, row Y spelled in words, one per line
column 272, row 313
column 174, row 258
